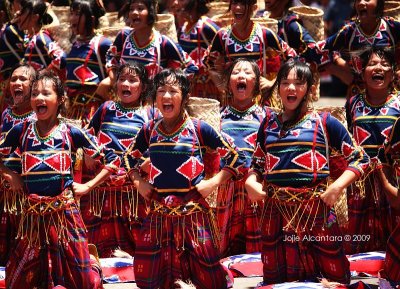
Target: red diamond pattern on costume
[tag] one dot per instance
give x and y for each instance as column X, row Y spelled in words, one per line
column 223, row 152
column 251, row 139
column 59, row 162
column 271, row 161
column 384, row 110
column 90, row 152
column 191, row 168
column 274, row 126
column 154, row 173
column 307, row 160
column 387, row 131
column 126, row 142
column 104, row 138
column 30, row 162
column 136, row 154
column 347, row 149
column 361, row 135
column 84, row 73
column 258, row 152
column 185, row 133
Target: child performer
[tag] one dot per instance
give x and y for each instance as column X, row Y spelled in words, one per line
column 291, row 159
column 51, row 247
column 371, row 116
column 115, row 211
column 178, row 239
column 238, row 218
column 10, row 205
column 86, row 60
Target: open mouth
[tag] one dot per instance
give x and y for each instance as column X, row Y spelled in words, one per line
column 41, row 109
column 241, row 87
column 291, row 98
column 238, row 16
column 378, row 77
column 135, row 21
column 18, row 94
column 363, row 12
column 126, row 93
column 168, row 107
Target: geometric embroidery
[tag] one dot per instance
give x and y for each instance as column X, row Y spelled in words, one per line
column 307, row 160
column 191, row 168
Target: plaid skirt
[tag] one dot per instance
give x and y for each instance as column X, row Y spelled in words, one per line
column 297, row 243
column 238, row 220
column 51, row 247
column 178, row 241
column 368, row 216
column 113, row 217
column 392, row 260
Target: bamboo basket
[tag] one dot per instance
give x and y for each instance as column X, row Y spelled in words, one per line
column 165, row 24
column 267, row 23
column 217, row 8
column 207, row 109
column 312, row 20
column 223, row 20
column 392, row 9
column 62, row 12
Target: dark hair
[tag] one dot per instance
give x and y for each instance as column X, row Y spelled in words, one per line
column 4, row 6
column 89, row 8
column 382, row 52
column 304, row 74
column 256, row 71
column 151, row 6
column 171, row 76
column 200, row 6
column 246, row 3
column 138, row 69
column 380, row 7
column 58, row 86
column 38, row 7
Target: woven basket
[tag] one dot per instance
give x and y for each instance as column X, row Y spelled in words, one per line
column 392, row 9
column 61, row 34
column 338, row 112
column 312, row 20
column 267, row 23
column 342, row 209
column 223, row 20
column 166, row 26
column 111, row 32
column 62, row 12
column 217, row 8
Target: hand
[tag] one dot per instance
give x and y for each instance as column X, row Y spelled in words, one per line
column 206, row 187
column 145, row 167
column 15, row 181
column 104, row 87
column 90, row 163
column 145, row 189
column 331, row 194
column 80, row 189
column 265, row 84
column 254, row 189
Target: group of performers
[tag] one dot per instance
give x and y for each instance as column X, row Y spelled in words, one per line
column 129, row 171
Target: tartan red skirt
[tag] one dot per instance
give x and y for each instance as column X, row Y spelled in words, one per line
column 178, row 241
column 297, row 243
column 113, row 217
column 392, row 260
column 51, row 246
column 238, row 220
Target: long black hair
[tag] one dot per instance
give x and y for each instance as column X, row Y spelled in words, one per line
column 151, row 6
column 89, row 8
column 38, row 7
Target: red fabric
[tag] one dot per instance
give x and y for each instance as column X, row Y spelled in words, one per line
column 392, row 261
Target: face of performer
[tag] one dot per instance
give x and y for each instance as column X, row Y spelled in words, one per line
column 44, row 100
column 129, row 88
column 274, row 4
column 26, row 20
column 292, row 91
column 378, row 73
column 169, row 101
column 242, row 82
column 366, row 9
column 78, row 22
column 241, row 12
column 20, row 82
column 138, row 15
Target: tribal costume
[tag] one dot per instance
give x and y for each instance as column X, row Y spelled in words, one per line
column 195, row 40
column 179, row 239
column 298, row 242
column 113, row 213
column 10, row 202
column 161, row 52
column 238, row 218
column 370, row 214
column 85, row 70
column 51, row 246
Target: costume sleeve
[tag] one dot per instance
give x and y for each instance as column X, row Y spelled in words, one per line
column 209, row 137
column 215, row 50
column 177, row 57
column 210, row 29
column 95, row 122
column 341, row 140
column 83, row 139
column 11, row 140
column 114, row 52
column 392, row 145
column 51, row 48
column 394, row 27
column 134, row 154
column 259, row 155
column 272, row 40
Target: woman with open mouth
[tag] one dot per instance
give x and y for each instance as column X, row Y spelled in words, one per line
column 195, row 36
column 86, row 60
column 238, row 218
column 178, row 239
column 10, row 204
column 244, row 38
column 371, row 116
column 143, row 44
column 290, row 171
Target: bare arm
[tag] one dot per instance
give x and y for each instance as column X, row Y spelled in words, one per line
column 82, row 189
column 206, row 187
column 333, row 192
column 254, row 188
